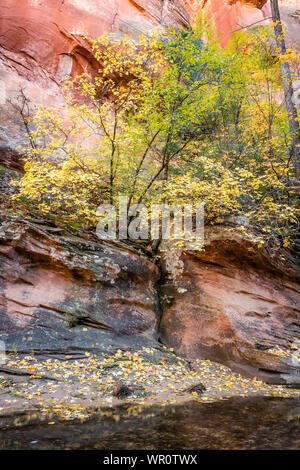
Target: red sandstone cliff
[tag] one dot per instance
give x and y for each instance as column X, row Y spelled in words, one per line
column 41, row 40
column 40, row 45
column 232, row 15
column 235, row 305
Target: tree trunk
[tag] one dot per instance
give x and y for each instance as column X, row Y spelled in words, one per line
column 288, row 89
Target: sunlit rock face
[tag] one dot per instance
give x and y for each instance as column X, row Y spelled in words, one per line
column 41, row 44
column 229, row 16
column 41, row 41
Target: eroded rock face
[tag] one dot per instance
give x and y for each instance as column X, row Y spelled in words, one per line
column 231, row 15
column 53, row 289
column 233, row 304
column 61, row 294
column 43, row 40
column 41, row 44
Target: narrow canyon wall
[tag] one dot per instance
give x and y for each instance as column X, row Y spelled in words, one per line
column 62, row 293
column 41, row 42
column 229, row 16
column 47, row 280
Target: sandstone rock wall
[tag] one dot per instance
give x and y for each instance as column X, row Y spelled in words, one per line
column 56, row 290
column 235, row 304
column 232, row 15
column 41, row 42
column 64, row 295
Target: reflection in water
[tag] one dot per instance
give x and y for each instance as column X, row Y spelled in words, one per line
column 238, row 423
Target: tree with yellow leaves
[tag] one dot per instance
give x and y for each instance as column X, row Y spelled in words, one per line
column 175, row 119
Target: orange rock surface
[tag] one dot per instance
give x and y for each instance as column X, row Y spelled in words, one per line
column 234, row 305
column 41, row 41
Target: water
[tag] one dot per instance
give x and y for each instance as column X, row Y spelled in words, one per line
column 237, row 423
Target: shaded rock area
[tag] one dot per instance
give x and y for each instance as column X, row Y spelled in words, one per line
column 65, row 295
column 236, row 304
